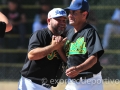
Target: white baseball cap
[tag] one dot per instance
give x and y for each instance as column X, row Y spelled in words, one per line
column 57, row 12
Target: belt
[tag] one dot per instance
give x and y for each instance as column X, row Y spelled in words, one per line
column 84, row 75
column 46, row 85
column 42, row 84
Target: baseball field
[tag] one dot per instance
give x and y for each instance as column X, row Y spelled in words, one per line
column 4, row 85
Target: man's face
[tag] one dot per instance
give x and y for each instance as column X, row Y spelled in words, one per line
column 58, row 25
column 76, row 17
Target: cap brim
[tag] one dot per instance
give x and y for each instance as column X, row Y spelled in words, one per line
column 59, row 16
column 71, row 8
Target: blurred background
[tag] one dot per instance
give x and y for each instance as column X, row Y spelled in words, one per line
column 28, row 16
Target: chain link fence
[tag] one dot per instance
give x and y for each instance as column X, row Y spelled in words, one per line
column 11, row 60
column 104, row 11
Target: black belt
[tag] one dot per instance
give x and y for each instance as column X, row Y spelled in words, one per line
column 47, row 86
column 42, row 84
column 83, row 75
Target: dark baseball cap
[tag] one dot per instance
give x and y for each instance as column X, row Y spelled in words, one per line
column 79, row 5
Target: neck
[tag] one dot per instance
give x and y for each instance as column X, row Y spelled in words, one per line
column 79, row 27
column 50, row 29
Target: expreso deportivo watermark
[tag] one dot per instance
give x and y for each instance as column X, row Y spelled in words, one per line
column 82, row 81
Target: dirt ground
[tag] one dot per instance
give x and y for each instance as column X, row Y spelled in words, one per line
column 13, row 86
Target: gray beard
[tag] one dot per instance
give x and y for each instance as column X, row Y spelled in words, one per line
column 60, row 32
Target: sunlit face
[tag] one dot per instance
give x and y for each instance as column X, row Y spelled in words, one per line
column 75, row 17
column 58, row 25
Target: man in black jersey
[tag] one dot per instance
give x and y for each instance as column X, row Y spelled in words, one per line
column 5, row 25
column 41, row 68
column 83, row 48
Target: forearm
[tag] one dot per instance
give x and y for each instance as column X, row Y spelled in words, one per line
column 3, row 18
column 62, row 54
column 40, row 52
column 87, row 64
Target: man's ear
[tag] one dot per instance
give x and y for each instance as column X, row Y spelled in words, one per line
column 85, row 14
column 48, row 21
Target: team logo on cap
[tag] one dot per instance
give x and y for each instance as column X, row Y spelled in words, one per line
column 60, row 12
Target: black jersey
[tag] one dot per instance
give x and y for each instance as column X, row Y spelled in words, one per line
column 45, row 69
column 2, row 29
column 82, row 45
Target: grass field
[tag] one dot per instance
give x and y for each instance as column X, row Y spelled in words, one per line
column 13, row 86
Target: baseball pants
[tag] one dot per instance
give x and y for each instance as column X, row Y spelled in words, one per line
column 27, row 84
column 94, row 83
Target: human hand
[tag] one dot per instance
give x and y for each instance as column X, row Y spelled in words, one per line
column 72, row 72
column 58, row 42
